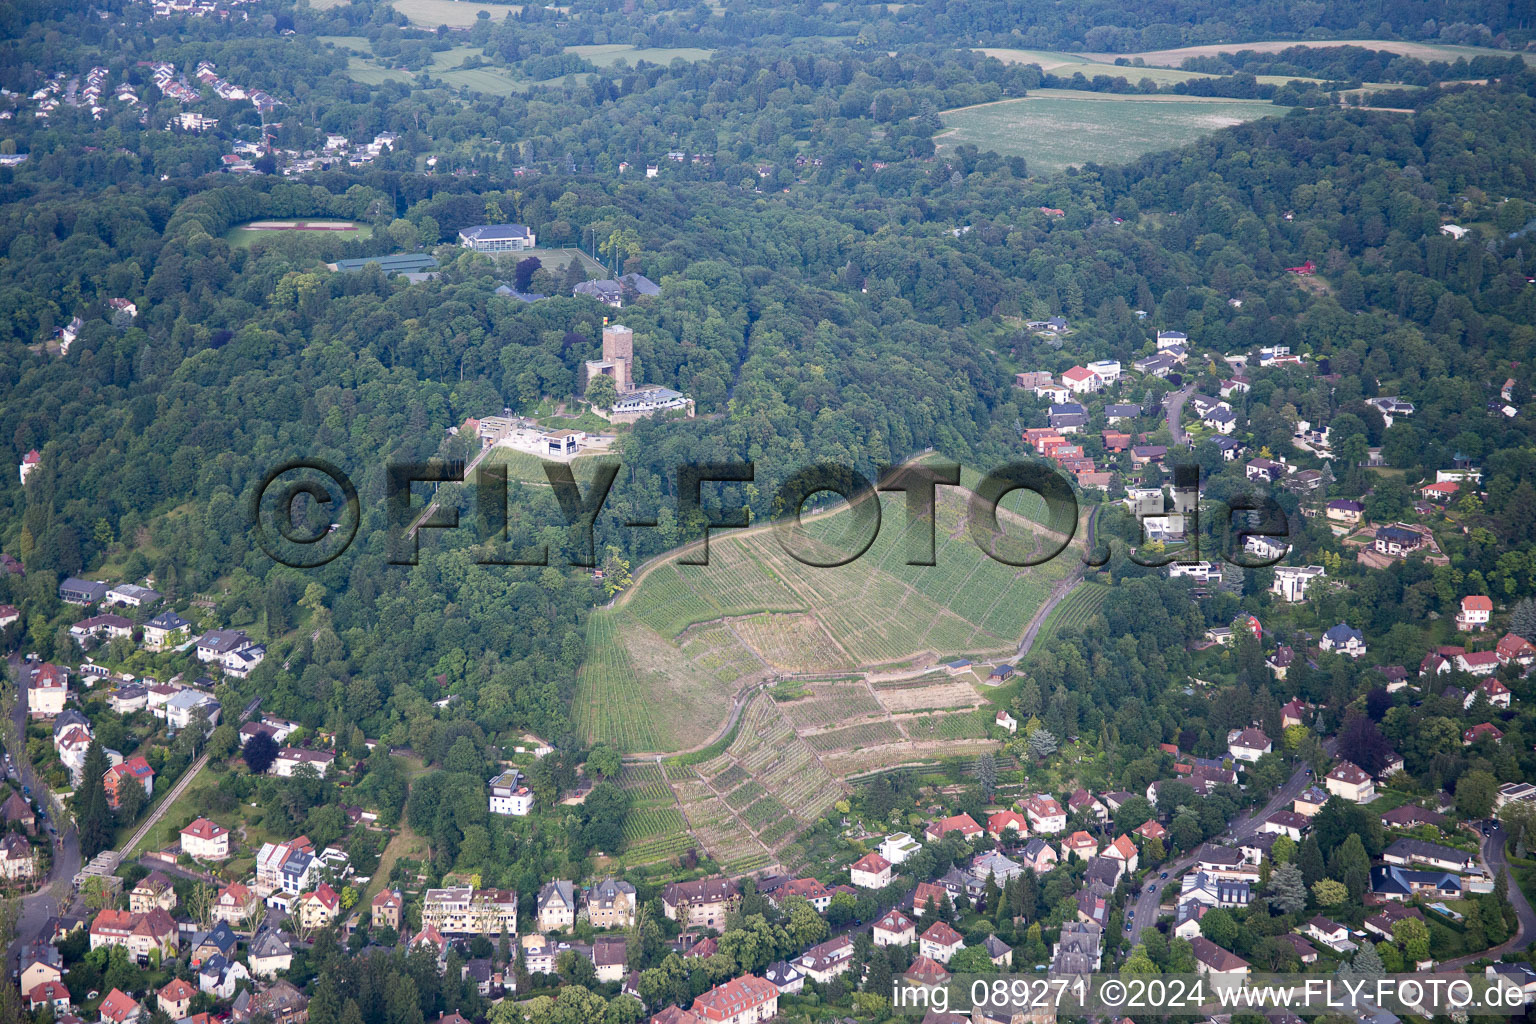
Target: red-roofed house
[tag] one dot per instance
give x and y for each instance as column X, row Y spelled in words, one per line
column 940, row 942
column 52, row 994
column 1080, row 380
column 1475, row 612
column 176, row 998
column 870, row 871
column 1295, row 712
column 135, row 769
column 1150, row 829
column 925, row 892
column 927, row 972
column 319, row 908
column 1045, row 814
column 1124, row 850
column 1444, row 490
column 205, row 840
column 235, row 905
column 1497, row 693
column 743, row 1000
column 1002, row 823
column 1517, row 650
column 809, row 889
column 119, row 1008
column 962, row 823
column 1478, row 663
column 1080, row 845
column 1480, row 731
column 894, row 929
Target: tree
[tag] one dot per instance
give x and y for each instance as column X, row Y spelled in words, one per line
column 1329, row 893
column 1367, row 962
column 1352, row 866
column 604, row 761
column 523, row 275
column 1139, row 963
column 986, row 774
column 1287, row 891
column 1475, row 793
column 1412, row 935
column 602, row 392
column 1219, row 926
column 259, row 753
column 1041, row 744
column 1522, row 619
column 92, row 812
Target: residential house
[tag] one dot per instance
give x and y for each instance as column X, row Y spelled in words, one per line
column 134, row 771
column 1350, row 782
column 1080, row 845
column 1476, row 610
column 1214, row 891
column 870, row 871
column 120, row 1008
column 1045, row 814
column 1345, row 511
column 1405, row 852
column 463, row 910
column 1496, row 692
column 290, row 758
column 1123, row 849
column 1039, row 856
column 1389, row 882
column 894, row 929
column 962, row 823
column 611, row 903
column 1330, row 933
column 1516, row 650
column 1291, row 582
column 47, row 689
column 219, row 976
column 81, row 592
column 1005, row 825
column 781, row 975
column 154, row 890
column 52, row 994
column 385, row 909
column 269, row 953
column 510, row 794
column 1248, row 744
column 217, row 643
column 898, row 846
column 318, row 908
column 610, row 955
column 235, row 905
column 205, row 840
column 1286, row 823
column 825, row 961
column 939, row 942
column 16, row 860
column 1483, row 730
column 285, row 867
column 1212, row 959
column 700, row 904
column 1310, row 801
column 165, row 630
column 745, row 1000
column 140, row 934
column 1344, row 639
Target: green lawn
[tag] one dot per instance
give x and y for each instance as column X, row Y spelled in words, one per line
column 1057, row 128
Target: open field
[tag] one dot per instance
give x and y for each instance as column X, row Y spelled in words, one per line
column 606, row 55
column 1421, row 51
column 346, row 230
column 1057, row 128
column 360, row 69
column 454, row 14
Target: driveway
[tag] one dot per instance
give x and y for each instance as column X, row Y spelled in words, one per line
column 1174, row 403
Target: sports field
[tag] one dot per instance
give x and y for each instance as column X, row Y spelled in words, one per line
column 1058, row 128
column 606, row 55
column 346, row 230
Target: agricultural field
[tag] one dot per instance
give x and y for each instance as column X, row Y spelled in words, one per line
column 630, row 668
column 348, row 231
column 927, row 692
column 1054, row 129
column 959, row 726
column 606, row 55
column 871, row 734
column 1065, row 65
column 1076, row 609
column 831, row 703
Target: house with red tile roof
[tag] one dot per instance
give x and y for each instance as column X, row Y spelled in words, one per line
column 940, row 942
column 1045, row 814
column 1150, row 829
column 1497, row 693
column 894, row 929
column 119, row 1008
column 1001, row 824
column 1478, row 663
column 744, row 1000
column 1483, row 730
column 1476, row 610
column 1080, row 845
column 962, row 823
column 176, row 998
column 870, row 871
column 205, row 840
column 1124, row 850
column 1514, row 649
column 134, row 770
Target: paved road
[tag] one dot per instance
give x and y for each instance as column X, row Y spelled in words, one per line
column 38, row 907
column 1242, row 827
column 1174, row 403
column 1493, row 852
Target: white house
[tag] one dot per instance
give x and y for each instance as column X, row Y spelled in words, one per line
column 511, row 795
column 898, row 846
column 1350, row 782
column 870, row 871
column 1248, row 744
column 1475, row 613
column 895, row 929
column 289, row 759
column 205, row 840
column 1291, row 581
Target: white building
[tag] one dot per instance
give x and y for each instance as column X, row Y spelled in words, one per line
column 510, row 794
column 1291, row 582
